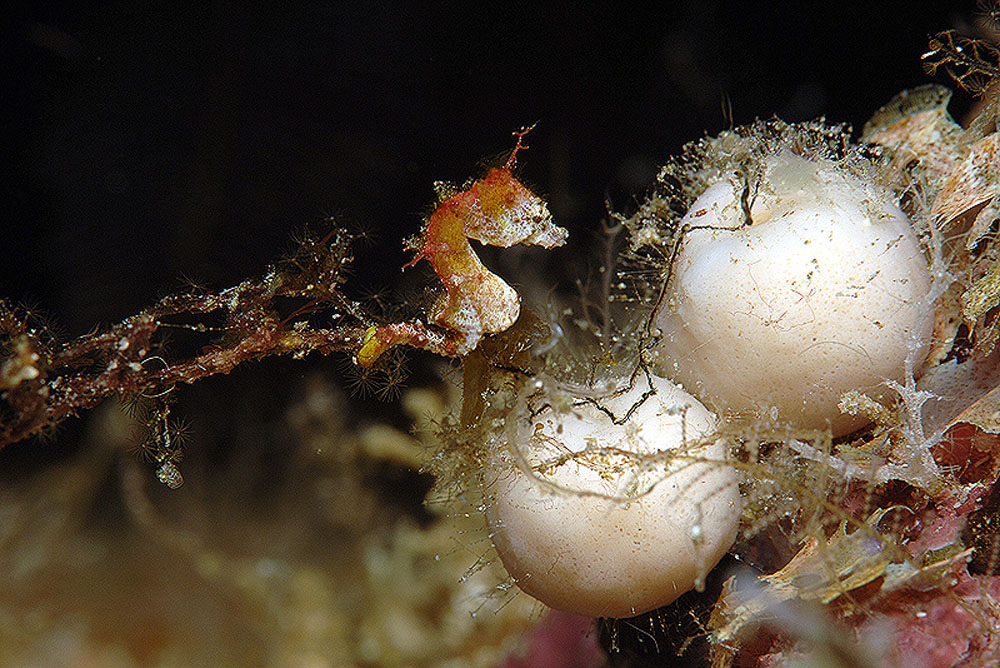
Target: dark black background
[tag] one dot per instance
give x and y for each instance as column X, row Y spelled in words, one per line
column 152, row 142
column 160, row 141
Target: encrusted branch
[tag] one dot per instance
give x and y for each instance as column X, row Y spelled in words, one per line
column 43, row 383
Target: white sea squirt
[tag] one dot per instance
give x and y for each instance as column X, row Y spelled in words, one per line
column 822, row 291
column 611, row 506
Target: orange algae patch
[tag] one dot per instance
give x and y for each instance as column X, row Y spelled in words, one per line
column 497, row 210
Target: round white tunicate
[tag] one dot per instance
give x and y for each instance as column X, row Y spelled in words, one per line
column 615, row 506
column 825, row 292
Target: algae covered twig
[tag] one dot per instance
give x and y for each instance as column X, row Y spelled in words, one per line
column 42, row 383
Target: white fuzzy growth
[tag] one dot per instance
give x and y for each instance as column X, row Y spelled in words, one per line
column 823, row 293
column 606, row 519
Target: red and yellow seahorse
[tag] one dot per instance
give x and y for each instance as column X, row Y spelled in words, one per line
column 496, row 210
